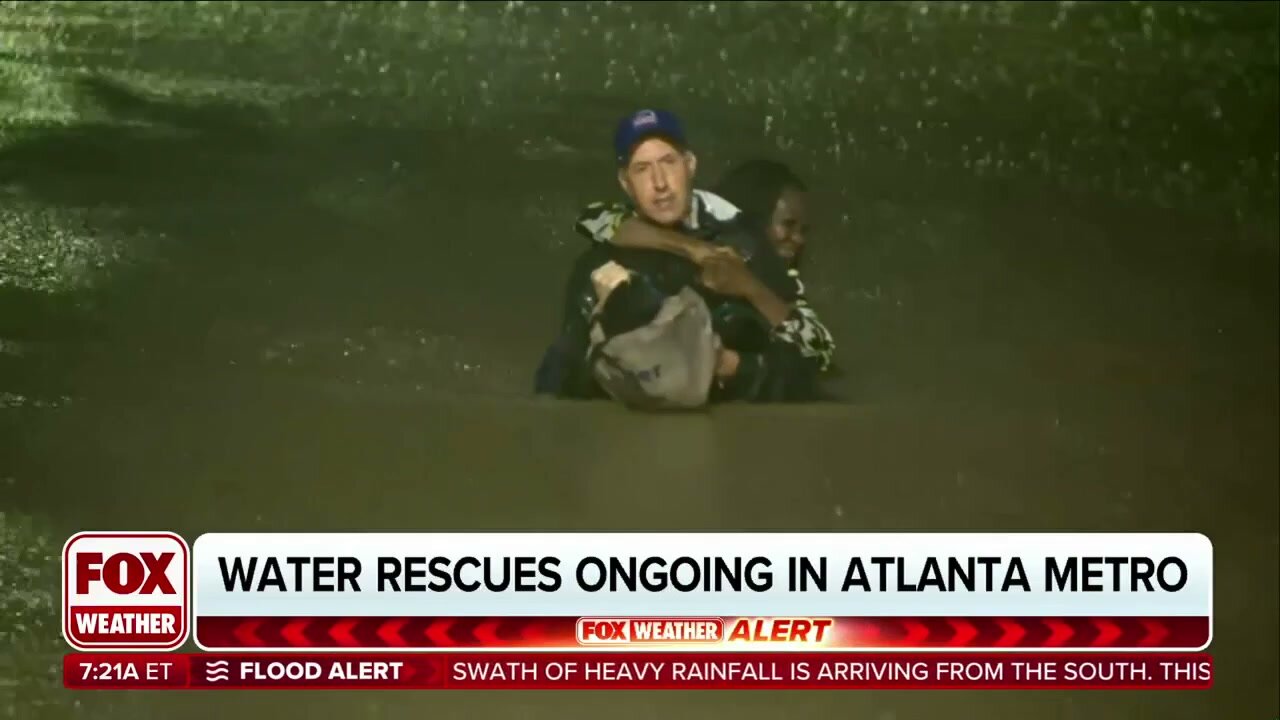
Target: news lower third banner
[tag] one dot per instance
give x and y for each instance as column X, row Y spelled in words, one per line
column 640, row 610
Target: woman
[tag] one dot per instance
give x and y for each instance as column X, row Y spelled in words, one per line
column 773, row 203
column 774, row 200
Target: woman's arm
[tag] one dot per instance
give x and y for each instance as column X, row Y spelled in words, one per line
column 618, row 225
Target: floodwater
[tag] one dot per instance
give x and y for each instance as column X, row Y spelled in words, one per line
column 268, row 266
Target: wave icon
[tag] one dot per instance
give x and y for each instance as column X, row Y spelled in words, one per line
column 217, row 670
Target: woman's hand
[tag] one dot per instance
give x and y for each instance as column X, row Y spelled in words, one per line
column 730, row 276
column 726, row 273
column 607, row 278
column 701, row 252
column 727, row 364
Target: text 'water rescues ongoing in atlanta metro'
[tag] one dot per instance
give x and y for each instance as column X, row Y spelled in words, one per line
column 142, row 590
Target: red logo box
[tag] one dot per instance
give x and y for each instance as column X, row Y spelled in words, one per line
column 126, row 591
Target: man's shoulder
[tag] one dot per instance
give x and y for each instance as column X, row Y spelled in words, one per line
column 599, row 220
column 716, row 207
column 601, row 207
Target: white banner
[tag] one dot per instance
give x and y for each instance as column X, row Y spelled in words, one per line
column 703, row 574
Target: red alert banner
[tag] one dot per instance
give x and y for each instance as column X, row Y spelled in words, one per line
column 712, row 633
column 637, row 671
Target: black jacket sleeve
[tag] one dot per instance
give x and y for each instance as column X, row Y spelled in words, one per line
column 575, row 328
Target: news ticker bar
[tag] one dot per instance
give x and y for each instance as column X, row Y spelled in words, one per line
column 704, row 633
column 636, row 671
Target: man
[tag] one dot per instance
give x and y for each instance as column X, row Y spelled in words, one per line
column 678, row 237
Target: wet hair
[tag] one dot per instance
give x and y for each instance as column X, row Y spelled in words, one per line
column 755, row 186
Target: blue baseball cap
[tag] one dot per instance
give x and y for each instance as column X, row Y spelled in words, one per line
column 642, row 125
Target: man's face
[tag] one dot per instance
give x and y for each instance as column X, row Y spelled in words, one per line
column 659, row 180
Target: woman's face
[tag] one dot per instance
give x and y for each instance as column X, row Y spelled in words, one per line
column 790, row 224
